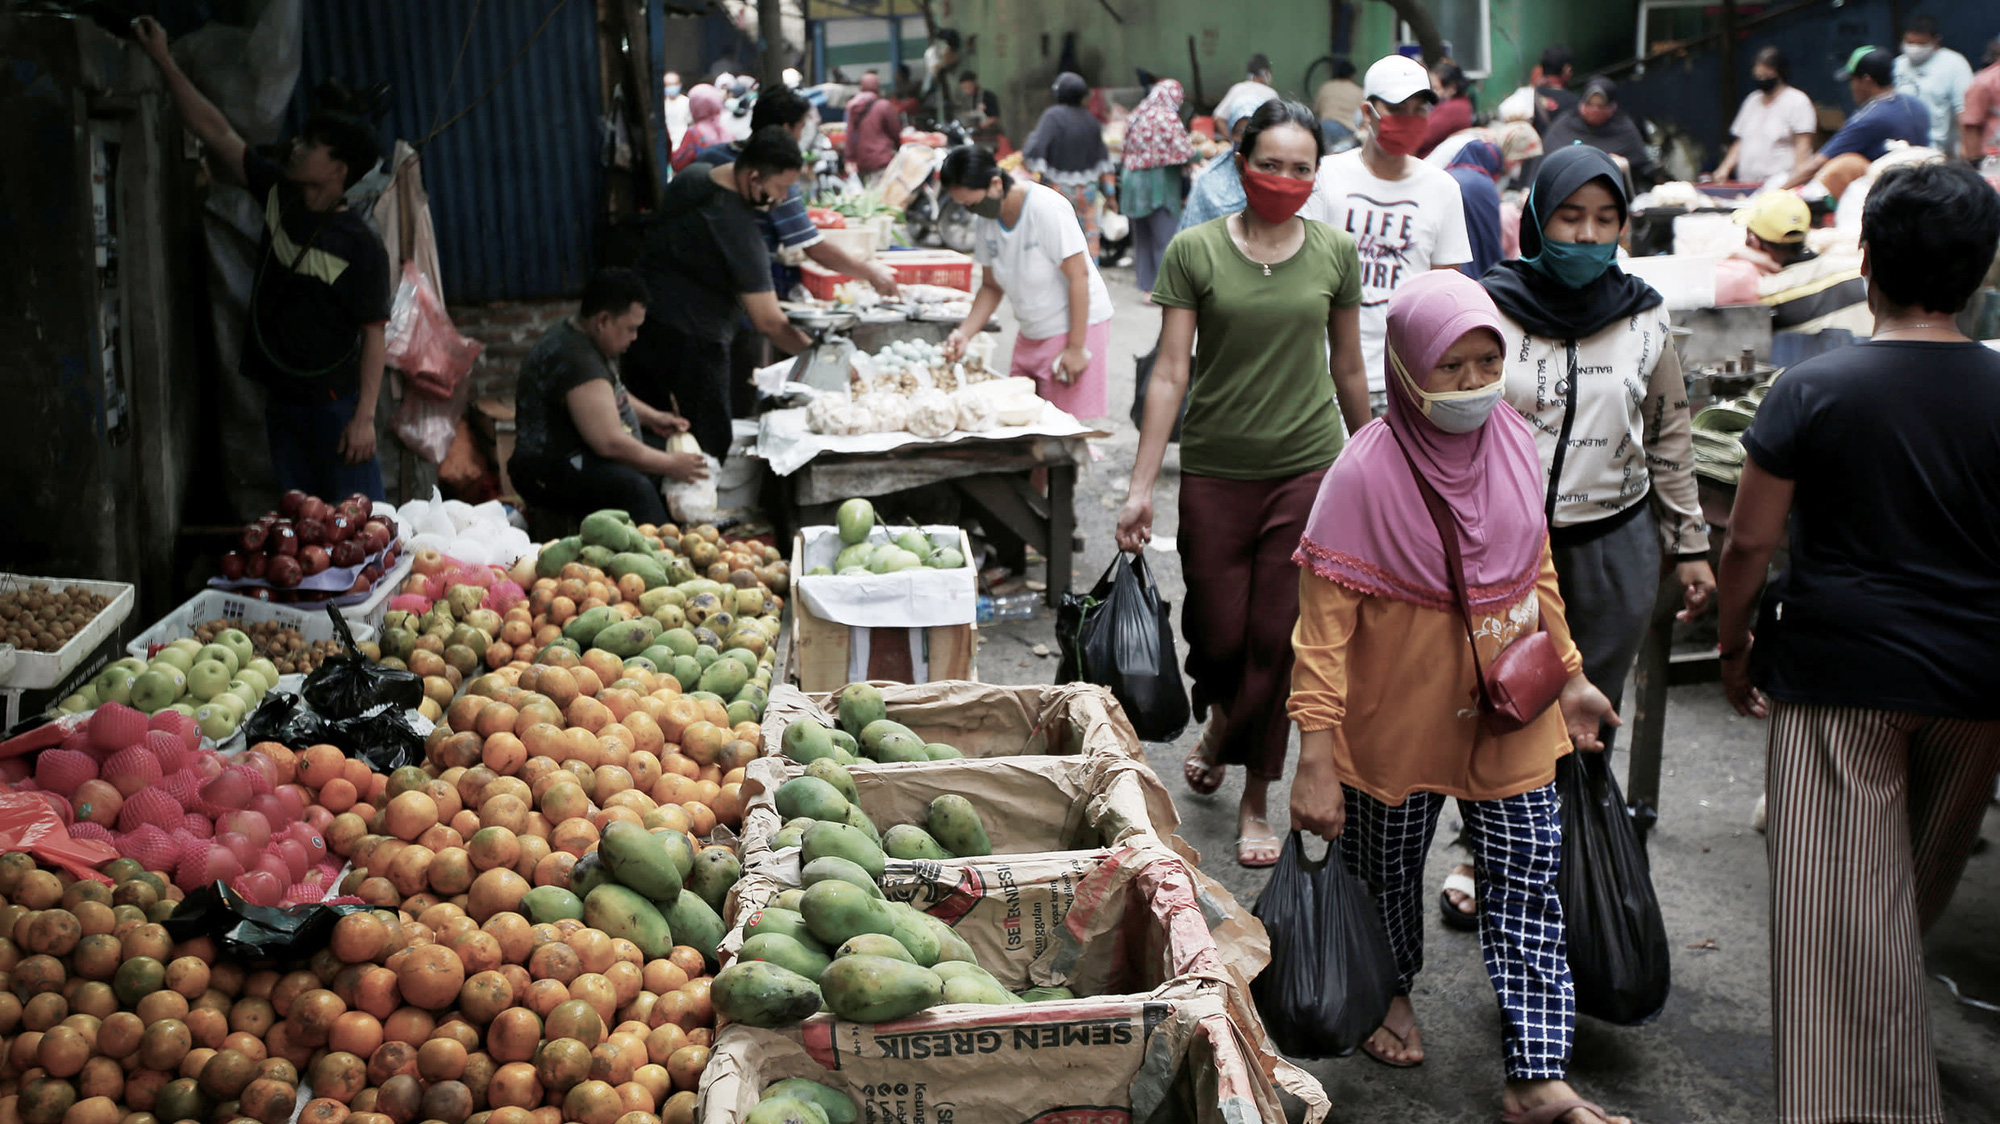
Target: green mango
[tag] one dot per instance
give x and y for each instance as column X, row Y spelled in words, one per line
column 877, row 989
column 854, row 519
column 831, row 868
column 859, row 821
column 605, row 529
column 842, row 841
column 852, row 555
column 785, row 1110
column 548, row 904
column 660, row 656
column 696, row 924
column 687, row 672
column 938, row 751
column 621, row 912
column 716, row 869
column 811, row 797
column 786, row 952
column 556, row 555
column 860, row 704
column 598, row 556
column 835, row 774
column 724, row 677
column 680, row 641
column 790, row 899
column 950, row 558
column 776, row 920
column 955, row 824
column 762, row 994
column 845, row 743
column 897, row 749
column 806, row 741
column 645, row 565
column 680, row 850
column 972, row 989
column 874, row 944
column 787, row 837
column 624, row 638
column 1047, row 994
column 950, row 946
column 639, row 859
column 584, row 627
column 872, row 734
column 836, row 910
column 838, row 1106
column 589, row 873
column 907, row 841
column 562, row 642
column 953, row 969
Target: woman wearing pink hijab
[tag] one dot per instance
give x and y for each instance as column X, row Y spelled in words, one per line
column 705, row 125
column 1385, row 689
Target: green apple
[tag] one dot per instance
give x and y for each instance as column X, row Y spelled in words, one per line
column 232, row 702
column 178, row 657
column 114, row 684
column 207, row 679
column 187, row 644
column 267, row 669
column 155, row 690
column 255, row 679
column 89, row 693
column 238, row 641
column 74, row 704
column 221, row 653
column 132, row 662
column 218, row 723
column 183, row 707
column 238, row 689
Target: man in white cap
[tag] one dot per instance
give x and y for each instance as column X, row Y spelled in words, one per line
column 1405, row 215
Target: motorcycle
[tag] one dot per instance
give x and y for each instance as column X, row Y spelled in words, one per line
column 931, row 211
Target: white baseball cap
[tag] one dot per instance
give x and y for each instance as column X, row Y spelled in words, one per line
column 1396, row 78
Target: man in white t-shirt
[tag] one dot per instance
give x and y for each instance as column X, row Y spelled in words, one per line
column 1773, row 129
column 1935, row 75
column 1405, row 215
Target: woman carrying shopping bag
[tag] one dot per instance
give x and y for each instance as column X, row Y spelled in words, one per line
column 1427, row 602
column 1277, row 301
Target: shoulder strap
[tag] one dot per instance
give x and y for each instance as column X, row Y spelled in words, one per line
column 1562, row 438
column 1447, row 528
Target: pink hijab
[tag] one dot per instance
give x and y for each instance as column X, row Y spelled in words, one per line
column 1369, row 529
column 705, row 113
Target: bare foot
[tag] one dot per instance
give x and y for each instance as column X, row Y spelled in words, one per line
column 1396, row 1042
column 1521, row 1098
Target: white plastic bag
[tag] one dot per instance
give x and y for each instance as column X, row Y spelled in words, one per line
column 692, row 502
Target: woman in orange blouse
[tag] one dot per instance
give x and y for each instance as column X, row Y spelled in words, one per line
column 1385, row 692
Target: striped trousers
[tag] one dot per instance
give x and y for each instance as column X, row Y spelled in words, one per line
column 1516, row 844
column 1872, row 814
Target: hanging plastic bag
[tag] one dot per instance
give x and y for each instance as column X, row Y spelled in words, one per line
column 1120, row 635
column 1332, row 973
column 350, row 684
column 1618, row 952
column 423, row 343
column 387, row 738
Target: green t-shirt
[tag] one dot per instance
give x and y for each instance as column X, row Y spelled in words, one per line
column 1260, row 399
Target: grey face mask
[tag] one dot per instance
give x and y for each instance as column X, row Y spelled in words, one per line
column 1463, row 415
column 987, row 208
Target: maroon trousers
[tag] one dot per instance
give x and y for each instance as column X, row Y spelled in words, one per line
column 1236, row 540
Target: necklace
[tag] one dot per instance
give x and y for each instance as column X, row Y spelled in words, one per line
column 1907, row 328
column 1244, row 248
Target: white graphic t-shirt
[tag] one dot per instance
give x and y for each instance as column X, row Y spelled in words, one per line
column 1401, row 228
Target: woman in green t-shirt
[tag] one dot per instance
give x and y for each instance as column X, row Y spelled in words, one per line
column 1272, row 297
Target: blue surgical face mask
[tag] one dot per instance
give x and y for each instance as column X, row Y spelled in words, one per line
column 1573, row 264
column 673, row 91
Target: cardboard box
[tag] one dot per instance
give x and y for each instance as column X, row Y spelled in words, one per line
column 825, row 654
column 981, row 719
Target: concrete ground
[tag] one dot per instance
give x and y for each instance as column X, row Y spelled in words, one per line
column 1708, row 1057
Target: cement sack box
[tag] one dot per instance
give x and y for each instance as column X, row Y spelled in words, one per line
column 980, row 719
column 1118, row 926
column 1171, row 1056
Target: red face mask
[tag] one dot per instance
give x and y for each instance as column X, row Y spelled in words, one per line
column 1274, row 198
column 1399, row 135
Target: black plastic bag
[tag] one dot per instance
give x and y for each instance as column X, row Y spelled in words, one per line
column 254, row 932
column 1618, row 954
column 386, row 739
column 350, row 684
column 286, row 719
column 1121, row 635
column 1332, row 974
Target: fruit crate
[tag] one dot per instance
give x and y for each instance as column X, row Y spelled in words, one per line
column 943, row 268
column 1136, row 931
column 375, row 610
column 981, row 719
column 1028, row 805
column 825, row 654
column 210, row 604
column 34, row 671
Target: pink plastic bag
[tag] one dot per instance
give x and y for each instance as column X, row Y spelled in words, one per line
column 423, row 343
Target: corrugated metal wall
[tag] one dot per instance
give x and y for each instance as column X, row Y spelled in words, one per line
column 516, row 185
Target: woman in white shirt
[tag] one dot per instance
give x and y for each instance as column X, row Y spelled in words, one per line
column 1031, row 251
column 1774, row 129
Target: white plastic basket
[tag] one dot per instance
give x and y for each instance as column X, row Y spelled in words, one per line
column 38, row 671
column 374, row 610
column 210, row 604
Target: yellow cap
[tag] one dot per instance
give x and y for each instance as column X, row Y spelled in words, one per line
column 1776, row 216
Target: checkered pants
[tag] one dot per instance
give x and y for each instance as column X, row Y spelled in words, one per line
column 1516, row 845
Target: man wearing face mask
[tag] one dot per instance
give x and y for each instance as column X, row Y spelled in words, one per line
column 1881, row 115
column 679, row 114
column 1405, row 215
column 705, row 263
column 1935, row 75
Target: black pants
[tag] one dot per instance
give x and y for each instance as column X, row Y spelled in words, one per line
column 672, row 370
column 578, row 491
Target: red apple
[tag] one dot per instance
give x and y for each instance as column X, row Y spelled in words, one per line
column 348, row 553
column 373, row 570
column 375, row 538
column 284, row 540
column 286, row 570
column 232, row 565
column 291, row 501
column 314, row 558
column 255, row 565
column 340, row 528
column 254, row 536
column 314, row 508
column 361, row 498
column 311, row 532
column 362, row 584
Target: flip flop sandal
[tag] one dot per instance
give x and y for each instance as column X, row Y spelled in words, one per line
column 1551, row 1112
column 1454, row 917
column 1202, row 775
column 1245, row 843
column 1390, row 1062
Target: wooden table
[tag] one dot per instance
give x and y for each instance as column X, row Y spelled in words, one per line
column 991, row 477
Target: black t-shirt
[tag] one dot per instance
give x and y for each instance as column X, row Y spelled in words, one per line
column 1892, row 597
column 321, row 277
column 705, row 252
column 562, row 360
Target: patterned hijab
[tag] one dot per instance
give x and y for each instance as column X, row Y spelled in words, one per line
column 1154, row 135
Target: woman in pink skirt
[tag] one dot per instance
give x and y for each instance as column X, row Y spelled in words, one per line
column 1031, row 251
